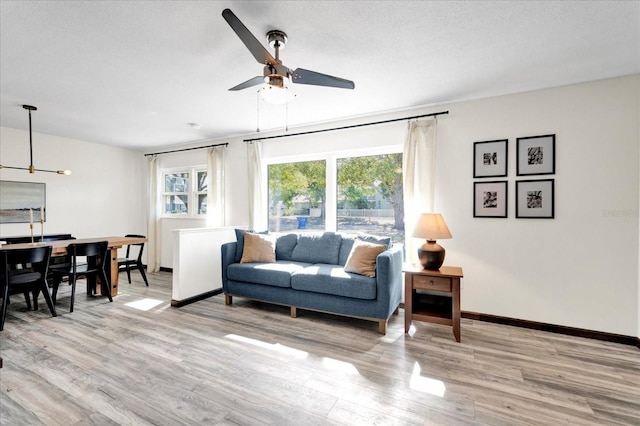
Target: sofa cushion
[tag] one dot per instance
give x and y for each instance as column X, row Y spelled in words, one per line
column 345, row 248
column 317, row 248
column 332, row 279
column 386, row 241
column 362, row 259
column 347, row 244
column 285, row 245
column 240, row 240
column 276, row 274
column 258, row 248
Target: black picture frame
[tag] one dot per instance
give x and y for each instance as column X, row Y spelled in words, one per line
column 536, row 155
column 490, row 199
column 490, row 158
column 17, row 198
column 535, row 199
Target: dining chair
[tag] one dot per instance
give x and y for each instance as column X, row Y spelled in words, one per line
column 92, row 269
column 127, row 263
column 32, row 278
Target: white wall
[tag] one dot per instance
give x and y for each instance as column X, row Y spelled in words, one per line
column 579, row 269
column 101, row 198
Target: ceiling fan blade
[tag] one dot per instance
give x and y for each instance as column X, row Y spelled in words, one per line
column 251, row 82
column 258, row 51
column 302, row 76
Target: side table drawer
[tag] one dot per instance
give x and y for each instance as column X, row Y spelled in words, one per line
column 431, row 283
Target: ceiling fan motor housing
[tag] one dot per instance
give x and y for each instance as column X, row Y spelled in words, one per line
column 275, row 75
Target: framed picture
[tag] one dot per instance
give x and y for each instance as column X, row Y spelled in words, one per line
column 536, row 155
column 534, row 199
column 20, row 200
column 490, row 199
column 490, row 158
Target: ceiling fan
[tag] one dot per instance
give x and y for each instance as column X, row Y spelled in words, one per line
column 275, row 73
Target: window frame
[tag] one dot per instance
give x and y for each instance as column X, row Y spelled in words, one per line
column 192, row 194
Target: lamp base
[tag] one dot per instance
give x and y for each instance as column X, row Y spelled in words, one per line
column 431, row 255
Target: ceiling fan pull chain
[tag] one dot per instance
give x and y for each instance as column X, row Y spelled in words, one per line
column 258, row 112
column 286, row 116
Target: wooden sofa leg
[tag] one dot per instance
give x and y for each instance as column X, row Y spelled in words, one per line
column 228, row 299
column 382, row 327
column 294, row 312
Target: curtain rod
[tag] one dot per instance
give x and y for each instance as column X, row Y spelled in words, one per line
column 187, row 149
column 347, row 127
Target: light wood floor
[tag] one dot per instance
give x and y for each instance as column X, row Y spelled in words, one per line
column 139, row 361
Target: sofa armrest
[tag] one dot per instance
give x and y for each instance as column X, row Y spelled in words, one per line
column 228, row 256
column 389, row 280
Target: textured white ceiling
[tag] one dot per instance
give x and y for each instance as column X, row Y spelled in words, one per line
column 134, row 73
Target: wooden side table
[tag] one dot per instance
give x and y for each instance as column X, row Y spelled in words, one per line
column 432, row 296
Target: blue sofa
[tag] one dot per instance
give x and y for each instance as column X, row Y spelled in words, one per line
column 309, row 273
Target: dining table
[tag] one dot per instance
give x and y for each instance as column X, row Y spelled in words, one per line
column 59, row 248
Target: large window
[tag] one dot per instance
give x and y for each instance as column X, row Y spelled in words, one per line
column 185, row 192
column 369, row 196
column 297, row 194
column 359, row 193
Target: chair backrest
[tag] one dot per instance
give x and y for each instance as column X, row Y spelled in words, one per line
column 141, row 245
column 37, row 257
column 98, row 250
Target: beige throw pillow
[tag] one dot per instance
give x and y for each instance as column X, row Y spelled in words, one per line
column 258, row 248
column 362, row 259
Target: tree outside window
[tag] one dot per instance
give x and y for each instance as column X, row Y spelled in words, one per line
column 297, row 195
column 368, row 195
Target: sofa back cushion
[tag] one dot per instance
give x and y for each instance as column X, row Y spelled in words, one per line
column 317, row 248
column 345, row 248
column 285, row 245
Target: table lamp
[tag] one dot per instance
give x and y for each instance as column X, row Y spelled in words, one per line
column 432, row 227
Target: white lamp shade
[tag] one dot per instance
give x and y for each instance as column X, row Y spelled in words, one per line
column 431, row 226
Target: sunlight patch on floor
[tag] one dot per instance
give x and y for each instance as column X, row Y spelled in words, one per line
column 340, row 366
column 275, row 347
column 144, row 304
column 425, row 384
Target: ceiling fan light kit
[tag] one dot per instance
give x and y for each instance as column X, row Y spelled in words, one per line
column 276, row 76
column 31, row 168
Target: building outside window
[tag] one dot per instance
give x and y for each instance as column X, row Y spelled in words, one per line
column 184, row 192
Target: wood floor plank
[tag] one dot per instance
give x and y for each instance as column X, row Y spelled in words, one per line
column 139, row 361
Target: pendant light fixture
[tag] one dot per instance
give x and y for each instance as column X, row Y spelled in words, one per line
column 31, row 167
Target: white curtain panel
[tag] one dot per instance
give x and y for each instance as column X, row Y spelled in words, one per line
column 257, row 207
column 153, row 244
column 215, row 195
column 418, row 170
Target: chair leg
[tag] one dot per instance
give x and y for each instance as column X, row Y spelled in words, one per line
column 27, row 300
column 129, row 273
column 105, row 285
column 73, row 294
column 54, row 290
column 36, row 295
column 144, row 275
column 47, row 297
column 5, row 302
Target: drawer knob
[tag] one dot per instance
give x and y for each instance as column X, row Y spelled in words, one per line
column 431, row 282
